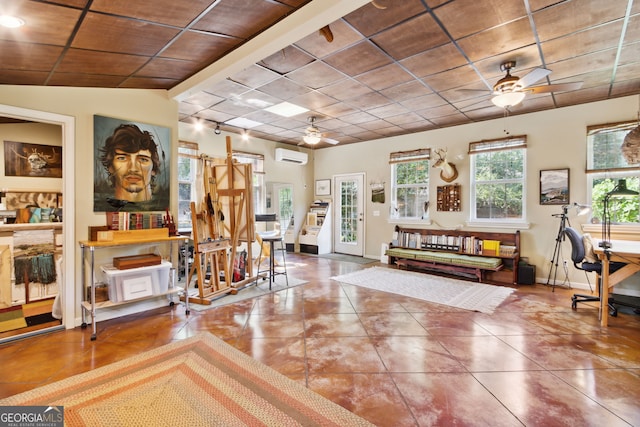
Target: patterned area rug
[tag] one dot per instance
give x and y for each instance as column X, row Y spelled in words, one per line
column 442, row 290
column 200, row 381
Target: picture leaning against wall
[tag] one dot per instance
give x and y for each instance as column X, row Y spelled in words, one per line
column 131, row 166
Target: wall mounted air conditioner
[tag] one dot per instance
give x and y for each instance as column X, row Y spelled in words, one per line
column 290, row 156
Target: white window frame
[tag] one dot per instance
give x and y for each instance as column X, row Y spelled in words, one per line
column 257, row 180
column 614, row 171
column 518, row 142
column 395, row 158
column 187, row 150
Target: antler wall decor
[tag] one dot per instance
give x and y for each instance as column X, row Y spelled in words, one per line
column 448, row 171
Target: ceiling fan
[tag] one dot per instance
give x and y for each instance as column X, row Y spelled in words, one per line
column 313, row 136
column 511, row 90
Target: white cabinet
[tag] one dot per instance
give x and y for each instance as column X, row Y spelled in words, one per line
column 315, row 234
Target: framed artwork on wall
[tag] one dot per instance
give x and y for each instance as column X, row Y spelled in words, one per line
column 132, row 163
column 32, row 160
column 323, row 187
column 554, row 187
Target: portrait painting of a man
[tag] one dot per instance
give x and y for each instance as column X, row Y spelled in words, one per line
column 131, row 166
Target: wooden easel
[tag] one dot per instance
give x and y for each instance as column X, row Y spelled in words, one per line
column 233, row 189
column 210, row 253
column 224, row 220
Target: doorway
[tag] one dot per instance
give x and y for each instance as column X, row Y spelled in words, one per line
column 67, row 132
column 349, row 214
column 280, row 202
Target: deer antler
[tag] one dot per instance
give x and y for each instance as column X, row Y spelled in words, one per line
column 441, row 153
column 448, row 171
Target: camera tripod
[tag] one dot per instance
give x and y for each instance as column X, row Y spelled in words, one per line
column 555, row 260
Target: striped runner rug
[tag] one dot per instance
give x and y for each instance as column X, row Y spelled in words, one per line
column 199, row 381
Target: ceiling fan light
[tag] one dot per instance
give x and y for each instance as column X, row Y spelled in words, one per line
column 508, row 99
column 9, row 21
column 311, row 138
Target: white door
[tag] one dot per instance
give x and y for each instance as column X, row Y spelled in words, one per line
column 349, row 214
column 282, row 203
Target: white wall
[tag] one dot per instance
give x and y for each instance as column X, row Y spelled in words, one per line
column 148, row 106
column 556, row 139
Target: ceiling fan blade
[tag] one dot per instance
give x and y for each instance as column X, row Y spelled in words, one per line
column 330, row 141
column 530, row 78
column 560, row 87
column 478, row 91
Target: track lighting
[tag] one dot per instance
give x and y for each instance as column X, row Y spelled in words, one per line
column 217, row 130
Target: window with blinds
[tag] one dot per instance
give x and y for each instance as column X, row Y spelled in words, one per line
column 609, row 160
column 498, row 170
column 257, row 167
column 410, row 184
column 187, row 165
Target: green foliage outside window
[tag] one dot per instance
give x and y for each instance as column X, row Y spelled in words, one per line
column 411, row 187
column 621, row 209
column 499, row 184
column 605, row 154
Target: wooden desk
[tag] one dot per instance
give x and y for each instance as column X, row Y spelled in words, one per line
column 622, row 251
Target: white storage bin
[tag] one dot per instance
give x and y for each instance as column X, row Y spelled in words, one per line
column 133, row 283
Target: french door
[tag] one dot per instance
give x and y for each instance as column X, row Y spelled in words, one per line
column 349, row 215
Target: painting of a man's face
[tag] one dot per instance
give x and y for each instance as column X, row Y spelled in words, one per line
column 132, row 174
column 129, row 156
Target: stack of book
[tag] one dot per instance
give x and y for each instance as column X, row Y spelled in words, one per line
column 134, row 220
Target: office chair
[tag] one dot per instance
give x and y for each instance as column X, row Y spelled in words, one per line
column 578, row 257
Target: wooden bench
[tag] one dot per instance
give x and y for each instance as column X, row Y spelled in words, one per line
column 472, row 266
column 458, row 252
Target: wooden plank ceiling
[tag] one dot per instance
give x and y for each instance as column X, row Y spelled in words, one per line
column 393, row 67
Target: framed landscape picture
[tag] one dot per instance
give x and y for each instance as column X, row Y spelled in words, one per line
column 554, row 187
column 323, row 187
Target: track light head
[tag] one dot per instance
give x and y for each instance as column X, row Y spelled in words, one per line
column 217, row 130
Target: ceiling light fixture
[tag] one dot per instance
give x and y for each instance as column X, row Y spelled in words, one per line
column 9, row 21
column 509, row 99
column 245, row 135
column 312, row 138
column 217, row 130
column 286, row 109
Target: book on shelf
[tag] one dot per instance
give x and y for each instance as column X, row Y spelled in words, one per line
column 133, row 220
column 491, row 247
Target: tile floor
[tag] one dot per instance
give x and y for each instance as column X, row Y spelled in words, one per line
column 393, row 360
